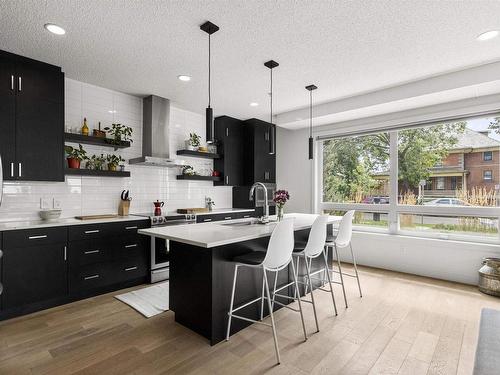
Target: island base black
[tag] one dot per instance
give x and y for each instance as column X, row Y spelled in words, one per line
column 201, row 281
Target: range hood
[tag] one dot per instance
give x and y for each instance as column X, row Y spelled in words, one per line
column 156, row 134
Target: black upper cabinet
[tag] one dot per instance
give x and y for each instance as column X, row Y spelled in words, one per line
column 7, row 116
column 32, row 119
column 260, row 166
column 230, row 134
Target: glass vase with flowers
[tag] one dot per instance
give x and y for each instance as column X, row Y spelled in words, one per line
column 280, row 198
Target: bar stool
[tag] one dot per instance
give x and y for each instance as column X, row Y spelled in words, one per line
column 343, row 240
column 277, row 257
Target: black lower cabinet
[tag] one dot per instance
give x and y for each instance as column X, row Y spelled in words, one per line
column 34, row 267
column 42, row 268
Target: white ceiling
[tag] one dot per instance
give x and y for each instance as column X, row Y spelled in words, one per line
column 344, row 47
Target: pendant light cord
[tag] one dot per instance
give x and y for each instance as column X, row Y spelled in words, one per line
column 271, row 96
column 209, row 69
column 310, row 113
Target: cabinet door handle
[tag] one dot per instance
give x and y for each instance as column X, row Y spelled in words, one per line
column 1, row 289
column 37, row 237
column 246, row 216
column 266, row 137
column 227, row 180
column 131, row 268
column 20, row 83
column 12, row 82
column 129, row 228
column 91, row 277
column 227, row 132
column 65, row 253
column 20, row 169
column 228, row 218
column 92, row 252
column 92, row 231
column 207, row 220
column 129, row 246
column 11, row 169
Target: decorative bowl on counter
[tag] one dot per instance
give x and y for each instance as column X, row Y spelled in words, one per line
column 50, row 214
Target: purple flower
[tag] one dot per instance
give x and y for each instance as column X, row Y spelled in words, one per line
column 281, row 197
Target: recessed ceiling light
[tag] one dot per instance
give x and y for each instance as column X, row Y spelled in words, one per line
column 54, row 29
column 111, row 111
column 184, row 78
column 254, row 104
column 487, row 35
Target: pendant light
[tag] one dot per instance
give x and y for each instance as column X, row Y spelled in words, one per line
column 209, row 28
column 272, row 132
column 310, row 88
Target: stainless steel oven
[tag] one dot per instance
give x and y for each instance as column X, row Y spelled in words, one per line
column 160, row 248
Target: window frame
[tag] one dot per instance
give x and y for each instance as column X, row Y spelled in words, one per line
column 394, row 209
column 491, row 155
column 490, row 173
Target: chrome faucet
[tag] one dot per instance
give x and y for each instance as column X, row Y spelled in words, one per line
column 265, row 218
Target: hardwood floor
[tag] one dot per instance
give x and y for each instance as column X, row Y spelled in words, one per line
column 403, row 325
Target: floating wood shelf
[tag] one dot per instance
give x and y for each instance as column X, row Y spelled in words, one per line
column 198, row 154
column 92, row 172
column 91, row 140
column 198, row 178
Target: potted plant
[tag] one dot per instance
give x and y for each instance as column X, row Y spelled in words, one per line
column 188, row 170
column 96, row 162
column 193, row 142
column 75, row 156
column 280, row 198
column 120, row 133
column 113, row 161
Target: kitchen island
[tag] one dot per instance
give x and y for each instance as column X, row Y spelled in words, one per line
column 201, row 270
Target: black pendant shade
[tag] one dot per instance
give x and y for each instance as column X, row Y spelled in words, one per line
column 209, row 28
column 271, row 64
column 310, row 88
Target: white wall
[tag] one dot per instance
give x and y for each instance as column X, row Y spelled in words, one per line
column 100, row 195
column 294, row 169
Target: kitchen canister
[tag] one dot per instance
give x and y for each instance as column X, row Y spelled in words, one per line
column 489, row 276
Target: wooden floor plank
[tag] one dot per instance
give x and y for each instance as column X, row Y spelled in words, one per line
column 404, row 324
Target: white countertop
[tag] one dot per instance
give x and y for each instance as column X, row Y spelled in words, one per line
column 15, row 225
column 217, row 234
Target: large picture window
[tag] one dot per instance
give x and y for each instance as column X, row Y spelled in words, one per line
column 442, row 181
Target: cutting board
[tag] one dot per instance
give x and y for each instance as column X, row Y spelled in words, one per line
column 96, row 217
column 191, row 210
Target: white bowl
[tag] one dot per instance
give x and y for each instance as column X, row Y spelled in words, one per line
column 50, row 214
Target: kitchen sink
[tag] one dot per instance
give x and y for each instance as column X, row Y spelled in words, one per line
column 245, row 223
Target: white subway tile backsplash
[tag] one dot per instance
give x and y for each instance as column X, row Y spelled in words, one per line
column 101, row 195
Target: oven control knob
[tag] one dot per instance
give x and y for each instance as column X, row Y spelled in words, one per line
column 160, row 220
column 154, row 220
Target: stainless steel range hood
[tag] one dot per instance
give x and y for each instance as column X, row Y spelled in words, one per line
column 156, row 134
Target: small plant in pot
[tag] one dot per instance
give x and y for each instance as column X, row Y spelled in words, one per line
column 188, row 170
column 193, row 142
column 120, row 133
column 75, row 156
column 113, row 161
column 96, row 162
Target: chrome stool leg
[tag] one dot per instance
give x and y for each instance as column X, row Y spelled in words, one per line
column 330, row 282
column 356, row 270
column 232, row 303
column 341, row 277
column 271, row 314
column 262, row 299
column 298, row 300
column 308, row 269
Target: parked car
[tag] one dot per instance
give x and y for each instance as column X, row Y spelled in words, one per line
column 446, row 202
column 376, row 200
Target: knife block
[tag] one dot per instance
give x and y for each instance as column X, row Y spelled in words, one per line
column 123, row 208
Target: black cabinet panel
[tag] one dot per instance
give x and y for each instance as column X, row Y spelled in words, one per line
column 7, row 116
column 230, row 134
column 39, row 139
column 260, row 165
column 31, row 119
column 32, row 274
column 35, row 237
